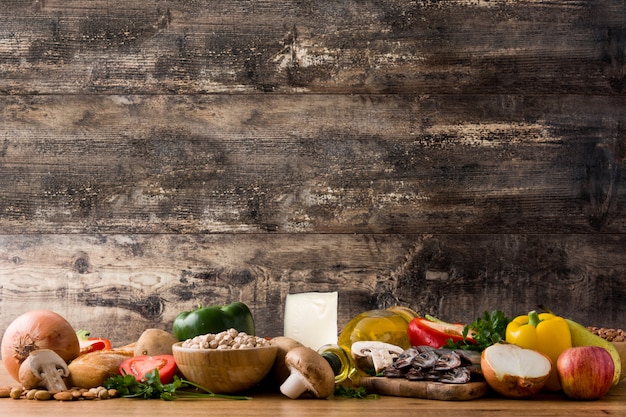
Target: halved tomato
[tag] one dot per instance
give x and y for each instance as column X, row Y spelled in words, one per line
column 139, row 366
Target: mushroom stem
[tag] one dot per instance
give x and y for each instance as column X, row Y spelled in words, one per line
column 44, row 367
column 309, row 372
column 294, row 386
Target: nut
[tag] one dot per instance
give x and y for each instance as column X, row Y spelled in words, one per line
column 16, row 393
column 43, row 395
column 610, row 335
column 89, row 395
column 30, row 394
column 64, row 396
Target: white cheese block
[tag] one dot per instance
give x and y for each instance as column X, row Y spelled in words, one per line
column 311, row 318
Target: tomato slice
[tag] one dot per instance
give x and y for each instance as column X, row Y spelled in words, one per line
column 139, row 366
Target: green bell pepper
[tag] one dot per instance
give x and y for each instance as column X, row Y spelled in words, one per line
column 213, row 319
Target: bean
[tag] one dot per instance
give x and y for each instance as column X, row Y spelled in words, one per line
column 5, row 392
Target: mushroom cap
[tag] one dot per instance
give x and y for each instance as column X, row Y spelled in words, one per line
column 41, row 358
column 26, row 377
column 315, row 370
column 280, row 371
column 43, row 367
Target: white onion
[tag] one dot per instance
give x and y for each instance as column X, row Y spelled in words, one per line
column 513, row 371
column 37, row 329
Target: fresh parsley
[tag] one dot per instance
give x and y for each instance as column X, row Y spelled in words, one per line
column 151, row 387
column 358, row 392
column 487, row 330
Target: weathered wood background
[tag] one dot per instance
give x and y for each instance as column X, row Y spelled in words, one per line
column 451, row 156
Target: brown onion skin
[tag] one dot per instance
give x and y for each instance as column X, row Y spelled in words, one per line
column 37, row 329
column 514, row 386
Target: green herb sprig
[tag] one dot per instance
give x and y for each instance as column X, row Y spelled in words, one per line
column 151, row 387
column 487, row 330
column 358, row 392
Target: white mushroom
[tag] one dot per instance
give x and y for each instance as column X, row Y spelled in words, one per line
column 44, row 368
column 374, row 355
column 310, row 372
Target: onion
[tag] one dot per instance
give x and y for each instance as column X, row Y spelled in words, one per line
column 513, row 371
column 37, row 329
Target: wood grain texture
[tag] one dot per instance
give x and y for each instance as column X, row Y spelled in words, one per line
column 314, row 164
column 397, row 46
column 430, row 390
column 121, row 284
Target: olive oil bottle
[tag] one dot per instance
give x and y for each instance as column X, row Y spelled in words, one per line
column 389, row 326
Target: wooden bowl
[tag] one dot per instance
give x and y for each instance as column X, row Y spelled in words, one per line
column 224, row 371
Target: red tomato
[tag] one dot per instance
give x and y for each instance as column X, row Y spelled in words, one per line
column 139, row 366
column 93, row 343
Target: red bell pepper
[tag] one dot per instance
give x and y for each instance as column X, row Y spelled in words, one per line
column 425, row 332
column 91, row 344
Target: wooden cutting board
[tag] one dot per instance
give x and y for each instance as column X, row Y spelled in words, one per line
column 401, row 387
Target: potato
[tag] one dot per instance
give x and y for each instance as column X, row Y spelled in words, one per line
column 154, row 342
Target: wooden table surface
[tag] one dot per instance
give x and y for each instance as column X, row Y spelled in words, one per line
column 276, row 405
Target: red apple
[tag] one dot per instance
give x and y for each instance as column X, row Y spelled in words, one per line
column 585, row 372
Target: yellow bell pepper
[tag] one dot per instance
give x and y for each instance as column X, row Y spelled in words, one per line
column 545, row 333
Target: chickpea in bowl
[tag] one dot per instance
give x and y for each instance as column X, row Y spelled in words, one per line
column 225, row 363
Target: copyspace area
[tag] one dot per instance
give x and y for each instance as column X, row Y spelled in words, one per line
column 453, row 157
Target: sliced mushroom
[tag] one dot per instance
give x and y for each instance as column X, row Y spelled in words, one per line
column 374, row 355
column 44, row 368
column 310, row 372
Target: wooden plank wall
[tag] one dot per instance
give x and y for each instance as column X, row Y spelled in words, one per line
column 454, row 157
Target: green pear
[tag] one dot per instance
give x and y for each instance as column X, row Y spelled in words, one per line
column 581, row 336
